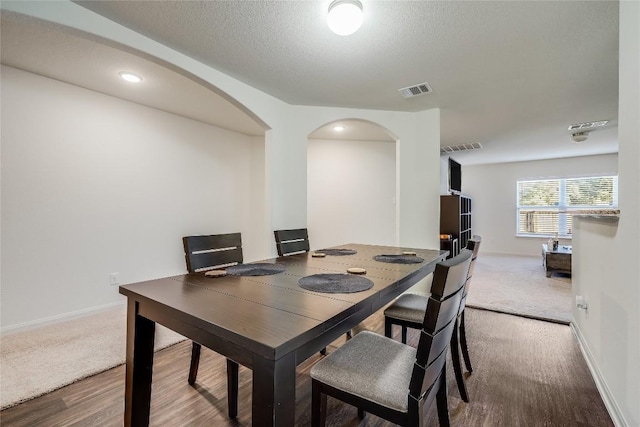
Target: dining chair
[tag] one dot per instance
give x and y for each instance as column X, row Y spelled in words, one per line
column 408, row 310
column 295, row 241
column 204, row 253
column 289, row 242
column 474, row 245
column 389, row 379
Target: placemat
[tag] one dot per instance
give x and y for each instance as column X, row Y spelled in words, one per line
column 399, row 259
column 335, row 283
column 256, row 269
column 338, row 252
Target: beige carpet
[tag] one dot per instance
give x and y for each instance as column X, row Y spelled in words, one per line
column 518, row 285
column 38, row 361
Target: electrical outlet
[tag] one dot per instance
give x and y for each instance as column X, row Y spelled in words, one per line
column 581, row 302
column 114, row 279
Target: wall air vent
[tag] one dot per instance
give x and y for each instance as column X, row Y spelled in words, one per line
column 461, row 147
column 588, row 125
column 415, row 90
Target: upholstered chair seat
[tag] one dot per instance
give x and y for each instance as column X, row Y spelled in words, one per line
column 408, row 307
column 372, row 367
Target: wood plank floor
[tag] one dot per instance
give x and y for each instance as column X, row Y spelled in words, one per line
column 526, row 373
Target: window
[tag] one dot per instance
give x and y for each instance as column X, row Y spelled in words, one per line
column 545, row 206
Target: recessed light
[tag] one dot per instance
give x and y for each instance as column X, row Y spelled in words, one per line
column 130, row 77
column 338, row 128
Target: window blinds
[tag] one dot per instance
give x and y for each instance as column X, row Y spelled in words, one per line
column 545, row 207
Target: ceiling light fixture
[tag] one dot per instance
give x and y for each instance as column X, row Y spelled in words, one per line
column 345, row 16
column 338, row 128
column 579, row 136
column 130, row 77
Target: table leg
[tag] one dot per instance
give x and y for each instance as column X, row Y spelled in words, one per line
column 274, row 392
column 140, row 339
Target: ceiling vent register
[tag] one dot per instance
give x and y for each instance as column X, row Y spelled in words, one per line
column 416, row 90
column 588, row 125
column 461, row 147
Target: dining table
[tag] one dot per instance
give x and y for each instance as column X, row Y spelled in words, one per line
column 268, row 323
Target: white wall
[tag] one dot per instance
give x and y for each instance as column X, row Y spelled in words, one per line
column 606, row 254
column 285, row 142
column 282, row 189
column 417, row 165
column 493, row 190
column 418, row 159
column 93, row 185
column 444, row 174
column 351, row 192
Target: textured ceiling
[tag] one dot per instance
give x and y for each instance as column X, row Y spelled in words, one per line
column 510, row 75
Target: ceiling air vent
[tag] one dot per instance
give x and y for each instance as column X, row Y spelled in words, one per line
column 461, row 147
column 415, row 90
column 588, row 125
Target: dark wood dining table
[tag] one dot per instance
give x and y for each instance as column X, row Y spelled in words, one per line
column 266, row 323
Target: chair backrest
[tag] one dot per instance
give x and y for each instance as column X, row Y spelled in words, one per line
column 442, row 309
column 473, row 245
column 204, row 253
column 289, row 242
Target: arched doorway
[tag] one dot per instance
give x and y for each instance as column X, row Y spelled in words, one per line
column 351, row 184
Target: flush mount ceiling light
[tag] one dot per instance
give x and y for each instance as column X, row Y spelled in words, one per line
column 345, row 16
column 130, row 77
column 579, row 136
column 338, row 128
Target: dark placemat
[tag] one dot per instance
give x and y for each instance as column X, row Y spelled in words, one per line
column 256, row 269
column 399, row 259
column 338, row 252
column 335, row 283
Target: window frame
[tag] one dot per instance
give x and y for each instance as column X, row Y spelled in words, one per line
column 563, row 207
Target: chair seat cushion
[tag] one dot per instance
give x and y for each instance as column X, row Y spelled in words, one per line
column 372, row 367
column 408, row 307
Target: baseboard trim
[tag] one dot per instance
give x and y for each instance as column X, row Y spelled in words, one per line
column 605, row 393
column 500, row 253
column 32, row 324
column 513, row 313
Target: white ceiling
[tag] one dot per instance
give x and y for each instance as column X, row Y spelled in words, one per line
column 510, row 75
column 69, row 56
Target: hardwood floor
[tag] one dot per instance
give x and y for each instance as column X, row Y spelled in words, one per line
column 526, row 373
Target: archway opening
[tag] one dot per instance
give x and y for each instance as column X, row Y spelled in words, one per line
column 352, row 184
